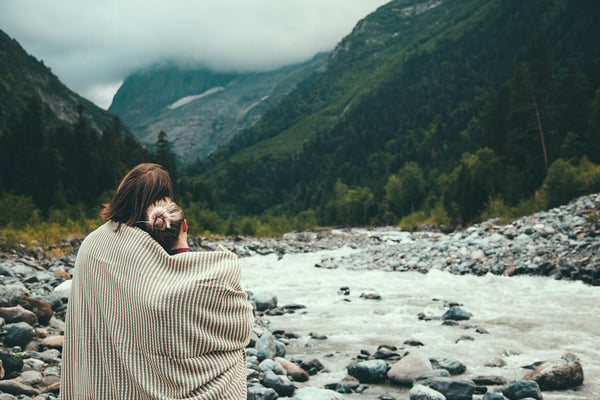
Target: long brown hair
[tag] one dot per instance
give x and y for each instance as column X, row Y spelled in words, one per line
column 142, row 186
column 163, row 221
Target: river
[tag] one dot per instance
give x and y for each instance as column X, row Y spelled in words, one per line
column 529, row 319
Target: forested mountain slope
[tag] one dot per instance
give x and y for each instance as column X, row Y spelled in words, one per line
column 22, row 76
column 438, row 102
column 58, row 151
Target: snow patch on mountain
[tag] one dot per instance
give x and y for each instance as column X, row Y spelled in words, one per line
column 188, row 99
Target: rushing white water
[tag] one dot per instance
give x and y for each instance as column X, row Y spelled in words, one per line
column 529, row 319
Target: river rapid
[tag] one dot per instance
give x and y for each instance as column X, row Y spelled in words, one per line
column 527, row 318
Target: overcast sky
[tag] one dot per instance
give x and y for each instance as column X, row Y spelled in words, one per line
column 92, row 45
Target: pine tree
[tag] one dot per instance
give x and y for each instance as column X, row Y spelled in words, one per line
column 164, row 156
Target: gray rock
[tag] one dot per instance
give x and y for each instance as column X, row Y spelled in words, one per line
column 11, row 294
column 456, row 313
column 348, row 385
column 264, row 300
column 453, row 366
column 12, row 386
column 313, row 366
column 488, row 380
column 270, row 365
column 421, row 392
column 434, row 373
column 522, row 389
column 371, row 371
column 266, row 347
column 256, row 391
column 280, row 383
column 50, row 356
column 280, row 349
column 310, row 393
column 18, row 334
column 12, row 363
column 452, row 389
column 31, row 378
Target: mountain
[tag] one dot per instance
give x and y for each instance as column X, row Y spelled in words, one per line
column 417, row 92
column 200, row 109
column 22, row 75
column 59, row 153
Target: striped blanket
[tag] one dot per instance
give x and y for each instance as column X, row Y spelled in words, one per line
column 145, row 325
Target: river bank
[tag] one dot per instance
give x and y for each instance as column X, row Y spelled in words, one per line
column 344, row 293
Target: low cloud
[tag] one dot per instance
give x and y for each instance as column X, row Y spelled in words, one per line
column 92, row 46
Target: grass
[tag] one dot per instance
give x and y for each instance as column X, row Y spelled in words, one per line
column 48, row 236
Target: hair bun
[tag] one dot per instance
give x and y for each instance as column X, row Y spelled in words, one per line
column 158, row 218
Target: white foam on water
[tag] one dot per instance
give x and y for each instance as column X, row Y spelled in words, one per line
column 528, row 318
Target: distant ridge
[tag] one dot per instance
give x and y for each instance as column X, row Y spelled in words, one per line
column 201, row 109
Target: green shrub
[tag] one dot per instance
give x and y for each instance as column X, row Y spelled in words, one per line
column 563, row 183
column 17, row 210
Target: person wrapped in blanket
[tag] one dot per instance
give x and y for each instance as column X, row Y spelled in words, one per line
column 142, row 324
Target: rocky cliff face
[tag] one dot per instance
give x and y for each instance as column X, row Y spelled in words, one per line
column 200, row 109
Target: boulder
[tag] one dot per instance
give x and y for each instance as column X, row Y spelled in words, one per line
column 40, row 308
column 293, row 370
column 31, row 378
column 14, row 387
column 387, row 353
column 456, row 313
column 266, row 346
column 264, row 300
column 421, row 392
column 279, row 383
column 348, row 385
column 64, row 289
column 453, row 366
column 563, row 374
column 313, row 366
column 18, row 334
column 54, row 342
column 434, row 373
column 494, row 396
column 280, row 349
column 12, row 363
column 256, row 391
column 405, row 371
column 371, row 371
column 452, row 389
column 18, row 314
column 271, row 365
column 310, row 393
column 522, row 389
column 11, row 294
column 489, row 380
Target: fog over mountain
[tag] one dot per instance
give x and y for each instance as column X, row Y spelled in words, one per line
column 93, row 46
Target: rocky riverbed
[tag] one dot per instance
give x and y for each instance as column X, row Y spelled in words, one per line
column 560, row 244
